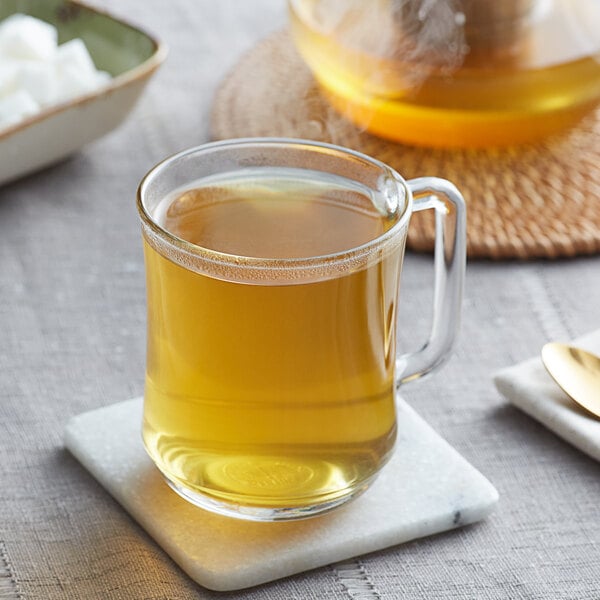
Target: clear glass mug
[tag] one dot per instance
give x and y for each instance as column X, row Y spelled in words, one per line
column 273, row 268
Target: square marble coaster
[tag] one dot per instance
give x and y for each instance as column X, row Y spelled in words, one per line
column 426, row 488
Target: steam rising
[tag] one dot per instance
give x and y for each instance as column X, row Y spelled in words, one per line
column 393, row 45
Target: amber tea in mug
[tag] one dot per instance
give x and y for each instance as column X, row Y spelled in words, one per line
column 273, row 269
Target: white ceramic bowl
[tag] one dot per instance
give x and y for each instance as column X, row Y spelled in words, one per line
column 130, row 55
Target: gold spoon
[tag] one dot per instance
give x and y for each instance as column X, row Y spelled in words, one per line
column 577, row 372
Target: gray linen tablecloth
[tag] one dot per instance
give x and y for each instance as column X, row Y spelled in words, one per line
column 72, row 338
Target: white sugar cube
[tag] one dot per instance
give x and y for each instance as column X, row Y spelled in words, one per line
column 102, row 78
column 74, row 55
column 40, row 80
column 74, row 82
column 23, row 36
column 16, row 106
column 8, row 77
column 75, row 69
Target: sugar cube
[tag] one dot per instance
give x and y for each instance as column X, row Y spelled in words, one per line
column 16, row 106
column 23, row 36
column 8, row 77
column 75, row 56
column 40, row 80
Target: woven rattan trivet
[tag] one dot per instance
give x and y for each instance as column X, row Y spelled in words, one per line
column 531, row 201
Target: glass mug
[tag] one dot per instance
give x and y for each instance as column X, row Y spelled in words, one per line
column 273, row 269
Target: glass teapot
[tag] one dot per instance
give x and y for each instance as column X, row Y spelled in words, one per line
column 454, row 73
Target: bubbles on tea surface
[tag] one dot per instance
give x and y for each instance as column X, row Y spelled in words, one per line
column 305, row 225
column 279, row 214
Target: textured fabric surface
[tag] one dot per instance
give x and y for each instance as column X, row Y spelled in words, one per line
column 72, row 314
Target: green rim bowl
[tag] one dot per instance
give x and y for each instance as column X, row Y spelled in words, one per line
column 129, row 54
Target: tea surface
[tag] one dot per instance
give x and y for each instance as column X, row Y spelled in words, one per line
column 266, row 218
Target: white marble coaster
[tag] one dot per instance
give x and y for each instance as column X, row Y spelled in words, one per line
column 529, row 387
column 426, row 488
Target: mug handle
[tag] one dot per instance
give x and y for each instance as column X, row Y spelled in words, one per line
column 450, row 262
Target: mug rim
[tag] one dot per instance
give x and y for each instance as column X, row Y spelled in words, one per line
column 265, row 263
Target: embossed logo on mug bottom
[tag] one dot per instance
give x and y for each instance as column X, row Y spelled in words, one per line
column 271, row 475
